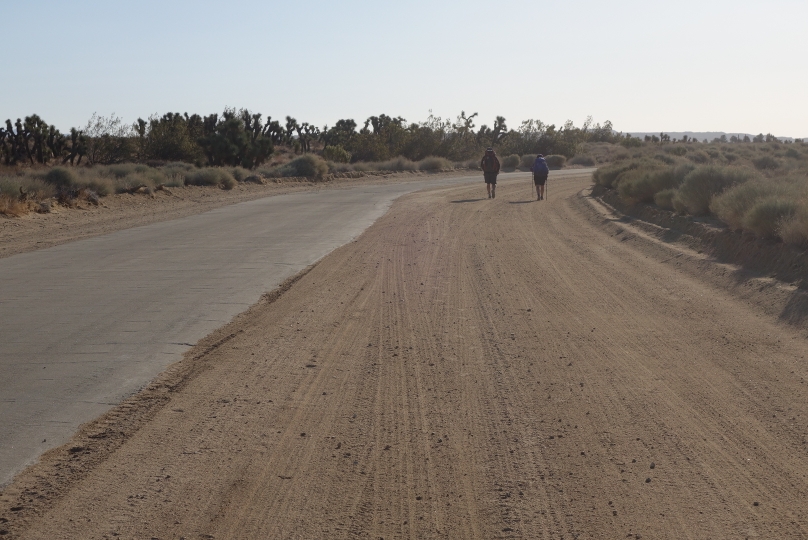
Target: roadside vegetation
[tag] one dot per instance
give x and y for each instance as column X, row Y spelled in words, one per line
column 759, row 187
column 40, row 166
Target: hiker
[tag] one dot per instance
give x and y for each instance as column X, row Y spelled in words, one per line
column 490, row 167
column 540, row 172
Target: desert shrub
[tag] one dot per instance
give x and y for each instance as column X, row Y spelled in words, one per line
column 35, row 188
column 473, row 164
column 664, row 198
column 61, row 177
column 334, row 167
column 210, row 176
column 766, row 162
column 555, row 161
column 434, row 163
column 101, row 185
column 122, row 170
column 12, row 206
column 703, row 183
column 526, row 161
column 793, row 153
column 698, row 157
column 586, row 161
column 240, row 173
column 794, row 229
column 730, row 156
column 337, row 154
column 642, row 185
column 609, row 175
column 765, row 217
column 677, row 150
column 713, row 153
column 398, row 164
column 665, row 159
column 307, row 165
column 362, row 166
column 732, row 205
column 511, row 162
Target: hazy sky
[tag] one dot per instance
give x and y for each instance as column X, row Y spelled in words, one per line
column 707, row 65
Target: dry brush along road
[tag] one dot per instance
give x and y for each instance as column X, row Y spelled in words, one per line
column 466, row 368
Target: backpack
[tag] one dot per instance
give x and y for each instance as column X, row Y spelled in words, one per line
column 490, row 163
column 540, row 166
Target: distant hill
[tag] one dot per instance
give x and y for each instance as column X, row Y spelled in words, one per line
column 701, row 135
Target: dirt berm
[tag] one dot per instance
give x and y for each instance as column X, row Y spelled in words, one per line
column 467, row 368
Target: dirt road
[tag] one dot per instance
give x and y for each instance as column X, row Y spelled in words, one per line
column 467, row 368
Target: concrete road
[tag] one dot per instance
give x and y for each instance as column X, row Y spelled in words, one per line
column 84, row 325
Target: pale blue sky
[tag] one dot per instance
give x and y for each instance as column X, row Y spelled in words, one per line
column 709, row 65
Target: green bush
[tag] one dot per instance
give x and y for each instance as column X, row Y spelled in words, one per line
column 555, row 161
column 511, row 162
column 434, row 163
column 703, row 183
column 766, row 216
column 793, row 153
column 664, row 198
column 61, row 177
column 337, row 154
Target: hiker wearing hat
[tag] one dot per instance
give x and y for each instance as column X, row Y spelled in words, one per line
column 540, row 172
column 490, row 167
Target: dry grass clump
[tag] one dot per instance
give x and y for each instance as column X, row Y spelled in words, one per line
column 555, row 161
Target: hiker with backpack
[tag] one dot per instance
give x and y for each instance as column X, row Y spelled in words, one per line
column 540, row 171
column 490, row 167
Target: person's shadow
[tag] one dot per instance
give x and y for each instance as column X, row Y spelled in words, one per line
column 467, row 200
column 521, row 202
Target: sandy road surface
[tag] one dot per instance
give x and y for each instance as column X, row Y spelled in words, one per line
column 467, row 368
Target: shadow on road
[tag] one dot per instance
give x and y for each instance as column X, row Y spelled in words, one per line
column 521, row 202
column 467, row 200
